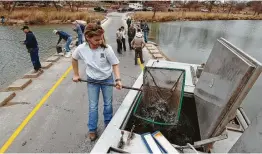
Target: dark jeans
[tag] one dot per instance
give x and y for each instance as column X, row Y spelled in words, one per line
column 138, row 53
column 119, row 45
column 35, row 58
column 124, row 43
column 129, row 41
column 145, row 36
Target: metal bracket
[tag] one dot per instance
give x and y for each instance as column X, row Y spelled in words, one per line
column 204, row 142
column 130, row 135
column 194, row 77
column 121, row 142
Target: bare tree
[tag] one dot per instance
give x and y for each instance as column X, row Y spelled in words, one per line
column 231, row 4
column 256, row 7
column 71, row 5
column 9, row 5
column 223, row 6
column 13, row 7
column 240, row 6
column 58, row 7
column 157, row 6
column 209, row 5
column 191, row 4
column 78, row 4
column 188, row 5
column 196, row 5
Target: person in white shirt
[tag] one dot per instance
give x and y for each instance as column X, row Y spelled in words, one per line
column 123, row 37
column 101, row 62
column 119, row 37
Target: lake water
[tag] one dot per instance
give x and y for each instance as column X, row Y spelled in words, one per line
column 14, row 58
column 192, row 42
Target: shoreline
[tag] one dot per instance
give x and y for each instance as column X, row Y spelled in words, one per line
column 49, row 16
column 190, row 16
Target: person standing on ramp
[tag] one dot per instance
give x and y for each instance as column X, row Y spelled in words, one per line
column 131, row 34
column 32, row 48
column 101, row 63
column 68, row 38
column 138, row 44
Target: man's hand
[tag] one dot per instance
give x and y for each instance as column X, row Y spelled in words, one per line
column 118, row 85
column 76, row 78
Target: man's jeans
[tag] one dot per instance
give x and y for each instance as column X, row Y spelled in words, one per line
column 80, row 38
column 145, row 36
column 68, row 42
column 93, row 98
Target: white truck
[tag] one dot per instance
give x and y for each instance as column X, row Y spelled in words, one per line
column 136, row 6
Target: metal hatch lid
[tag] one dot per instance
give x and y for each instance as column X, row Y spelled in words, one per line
column 228, row 75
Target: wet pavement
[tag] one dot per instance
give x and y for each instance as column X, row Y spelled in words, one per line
column 60, row 125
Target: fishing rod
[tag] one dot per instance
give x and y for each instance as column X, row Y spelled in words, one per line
column 109, row 84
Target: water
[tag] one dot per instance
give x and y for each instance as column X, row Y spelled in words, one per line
column 192, row 42
column 14, row 58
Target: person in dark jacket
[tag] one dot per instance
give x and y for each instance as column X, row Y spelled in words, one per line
column 131, row 34
column 145, row 29
column 2, row 19
column 128, row 22
column 141, row 25
column 98, row 22
column 68, row 38
column 32, row 48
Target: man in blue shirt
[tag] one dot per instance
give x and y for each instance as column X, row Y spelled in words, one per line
column 68, row 38
column 32, row 47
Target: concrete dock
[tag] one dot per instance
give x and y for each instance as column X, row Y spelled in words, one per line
column 50, row 114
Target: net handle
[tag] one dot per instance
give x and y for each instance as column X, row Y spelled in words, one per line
column 109, row 84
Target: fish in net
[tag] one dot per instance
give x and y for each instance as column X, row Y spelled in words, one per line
column 162, row 97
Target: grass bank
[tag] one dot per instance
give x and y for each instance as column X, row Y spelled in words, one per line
column 194, row 16
column 45, row 16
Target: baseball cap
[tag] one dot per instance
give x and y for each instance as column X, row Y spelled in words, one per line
column 55, row 31
column 25, row 27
